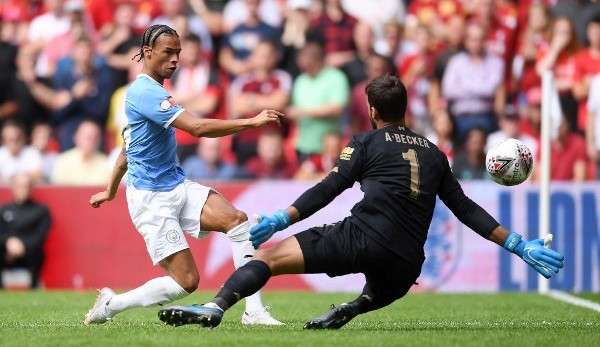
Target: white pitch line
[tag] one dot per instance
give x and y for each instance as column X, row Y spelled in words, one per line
column 573, row 300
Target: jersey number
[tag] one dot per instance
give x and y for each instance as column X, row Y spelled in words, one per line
column 411, row 156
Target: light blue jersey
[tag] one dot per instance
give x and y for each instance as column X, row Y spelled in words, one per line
column 149, row 138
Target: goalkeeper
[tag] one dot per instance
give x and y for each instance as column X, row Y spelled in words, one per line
column 401, row 173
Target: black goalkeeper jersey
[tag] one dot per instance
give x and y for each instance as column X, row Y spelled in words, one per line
column 401, row 173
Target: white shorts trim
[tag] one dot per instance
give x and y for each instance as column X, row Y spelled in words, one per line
column 163, row 218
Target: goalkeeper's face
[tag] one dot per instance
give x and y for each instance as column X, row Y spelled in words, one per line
column 163, row 57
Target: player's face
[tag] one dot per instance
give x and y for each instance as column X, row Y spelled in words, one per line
column 21, row 187
column 164, row 56
column 13, row 139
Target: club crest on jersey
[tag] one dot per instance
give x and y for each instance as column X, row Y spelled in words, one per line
column 346, row 153
column 499, row 165
column 166, row 104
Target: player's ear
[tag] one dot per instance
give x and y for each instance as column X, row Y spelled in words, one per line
column 147, row 50
column 373, row 113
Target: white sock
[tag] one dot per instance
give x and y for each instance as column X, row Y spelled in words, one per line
column 243, row 252
column 156, row 291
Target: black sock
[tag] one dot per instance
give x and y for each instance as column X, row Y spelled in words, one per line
column 362, row 304
column 369, row 301
column 244, row 282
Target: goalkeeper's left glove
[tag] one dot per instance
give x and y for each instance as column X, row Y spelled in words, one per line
column 267, row 226
column 544, row 260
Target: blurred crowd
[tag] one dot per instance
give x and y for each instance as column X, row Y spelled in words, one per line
column 471, row 67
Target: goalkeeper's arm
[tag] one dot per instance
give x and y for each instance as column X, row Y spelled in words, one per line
column 545, row 261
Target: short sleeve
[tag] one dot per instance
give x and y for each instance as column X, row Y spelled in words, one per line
column 350, row 163
column 158, row 106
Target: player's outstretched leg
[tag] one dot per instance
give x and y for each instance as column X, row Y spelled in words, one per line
column 284, row 258
column 182, row 279
column 219, row 214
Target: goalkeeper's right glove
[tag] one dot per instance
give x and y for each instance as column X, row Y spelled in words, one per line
column 544, row 260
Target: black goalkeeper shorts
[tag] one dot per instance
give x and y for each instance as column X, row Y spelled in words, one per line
column 341, row 249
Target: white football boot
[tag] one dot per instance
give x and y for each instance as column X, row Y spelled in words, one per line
column 99, row 313
column 262, row 317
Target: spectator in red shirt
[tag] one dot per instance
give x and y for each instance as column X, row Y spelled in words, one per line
column 270, row 162
column 318, row 166
column 195, row 86
column 560, row 58
column 376, row 66
column 530, row 123
column 499, row 21
column 534, row 38
column 263, row 87
column 587, row 65
column 101, row 12
column 335, row 27
column 119, row 43
column 568, row 155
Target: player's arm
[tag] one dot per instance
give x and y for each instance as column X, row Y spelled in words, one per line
column 544, row 260
column 113, row 185
column 342, row 177
column 202, row 127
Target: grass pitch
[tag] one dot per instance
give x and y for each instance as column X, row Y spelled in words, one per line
column 54, row 319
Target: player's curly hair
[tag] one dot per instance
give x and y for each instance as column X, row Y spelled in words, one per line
column 388, row 96
column 151, row 34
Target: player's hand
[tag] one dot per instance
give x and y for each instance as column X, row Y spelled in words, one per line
column 560, row 41
column 545, row 261
column 82, row 88
column 267, row 226
column 15, row 248
column 266, row 117
column 99, row 198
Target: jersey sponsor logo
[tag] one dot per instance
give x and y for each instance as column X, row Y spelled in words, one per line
column 442, row 249
column 166, row 104
column 346, row 153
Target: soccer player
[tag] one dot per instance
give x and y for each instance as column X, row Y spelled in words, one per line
column 400, row 173
column 162, row 204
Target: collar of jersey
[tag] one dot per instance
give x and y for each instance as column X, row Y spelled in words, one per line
column 149, row 77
